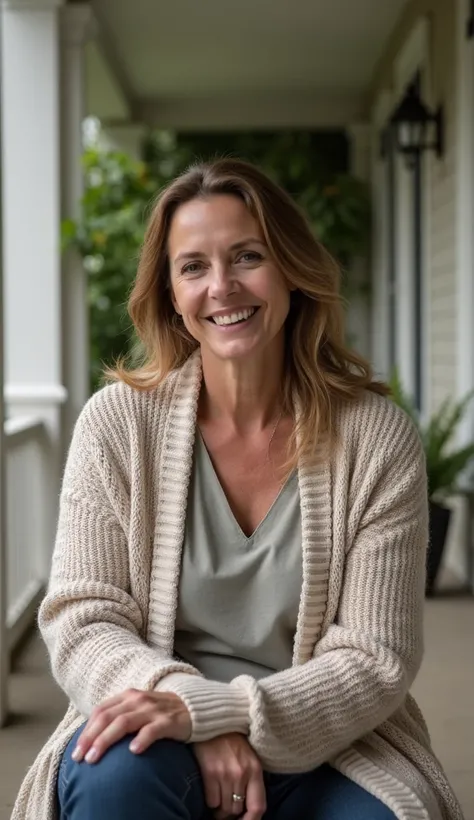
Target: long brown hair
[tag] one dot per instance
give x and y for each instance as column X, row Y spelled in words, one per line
column 320, row 368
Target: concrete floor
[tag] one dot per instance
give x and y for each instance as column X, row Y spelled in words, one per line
column 444, row 689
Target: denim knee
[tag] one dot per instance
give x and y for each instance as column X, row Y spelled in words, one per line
column 164, row 778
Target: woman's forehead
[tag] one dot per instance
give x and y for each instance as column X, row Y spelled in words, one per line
column 221, row 218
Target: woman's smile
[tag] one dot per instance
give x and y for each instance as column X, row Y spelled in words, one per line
column 233, row 319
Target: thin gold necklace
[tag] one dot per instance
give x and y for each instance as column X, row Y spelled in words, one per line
column 273, row 433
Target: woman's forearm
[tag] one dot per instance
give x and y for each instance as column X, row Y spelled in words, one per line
column 302, row 717
column 96, row 650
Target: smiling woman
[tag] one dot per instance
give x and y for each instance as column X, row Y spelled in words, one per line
column 236, row 596
column 221, row 238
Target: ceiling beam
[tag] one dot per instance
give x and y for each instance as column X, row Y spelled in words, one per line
column 265, row 111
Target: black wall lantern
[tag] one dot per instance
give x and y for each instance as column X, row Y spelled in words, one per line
column 414, row 128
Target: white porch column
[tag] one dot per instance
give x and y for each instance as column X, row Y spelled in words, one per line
column 31, row 214
column 381, row 253
column 358, row 318
column 76, row 25
column 4, row 654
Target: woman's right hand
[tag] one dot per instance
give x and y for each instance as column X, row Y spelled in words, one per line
column 230, row 766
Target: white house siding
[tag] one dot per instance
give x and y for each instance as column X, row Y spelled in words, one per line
column 442, row 340
column 440, row 239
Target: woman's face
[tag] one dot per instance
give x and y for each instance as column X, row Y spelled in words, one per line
column 232, row 297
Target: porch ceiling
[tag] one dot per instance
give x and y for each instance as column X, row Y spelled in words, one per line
column 166, row 55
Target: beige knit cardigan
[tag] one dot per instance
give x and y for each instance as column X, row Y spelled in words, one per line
column 109, row 613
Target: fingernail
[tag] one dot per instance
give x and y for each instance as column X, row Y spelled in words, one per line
column 91, row 755
column 77, row 754
column 134, row 746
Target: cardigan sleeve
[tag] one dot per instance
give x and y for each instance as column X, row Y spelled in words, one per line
column 91, row 624
column 366, row 661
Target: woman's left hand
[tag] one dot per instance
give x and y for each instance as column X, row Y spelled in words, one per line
column 153, row 715
column 229, row 766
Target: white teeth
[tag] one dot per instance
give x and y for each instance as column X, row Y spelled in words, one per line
column 232, row 318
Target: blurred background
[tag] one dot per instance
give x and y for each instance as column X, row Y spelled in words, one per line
column 364, row 112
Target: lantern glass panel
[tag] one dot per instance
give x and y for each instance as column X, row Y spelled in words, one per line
column 411, row 135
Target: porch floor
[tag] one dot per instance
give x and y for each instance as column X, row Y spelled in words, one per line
column 444, row 690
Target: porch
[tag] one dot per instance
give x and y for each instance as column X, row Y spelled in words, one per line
column 179, row 65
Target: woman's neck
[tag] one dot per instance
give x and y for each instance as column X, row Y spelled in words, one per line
column 244, row 395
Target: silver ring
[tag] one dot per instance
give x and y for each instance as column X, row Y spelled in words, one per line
column 238, row 798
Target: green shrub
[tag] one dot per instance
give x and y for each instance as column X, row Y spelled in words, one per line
column 444, row 463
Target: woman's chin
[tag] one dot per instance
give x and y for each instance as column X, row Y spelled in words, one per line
column 233, row 349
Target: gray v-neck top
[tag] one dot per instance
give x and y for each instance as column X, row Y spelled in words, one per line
column 238, row 596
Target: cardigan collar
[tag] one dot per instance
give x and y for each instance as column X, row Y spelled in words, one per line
column 173, row 467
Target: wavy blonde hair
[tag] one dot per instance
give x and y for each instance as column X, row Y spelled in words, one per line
column 320, row 369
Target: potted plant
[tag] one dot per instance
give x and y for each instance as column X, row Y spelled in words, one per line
column 444, row 464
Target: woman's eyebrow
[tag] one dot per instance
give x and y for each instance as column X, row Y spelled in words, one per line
column 242, row 243
column 188, row 255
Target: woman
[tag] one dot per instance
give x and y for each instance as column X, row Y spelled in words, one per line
column 236, row 596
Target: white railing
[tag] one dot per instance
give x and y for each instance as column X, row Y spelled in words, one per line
column 27, row 506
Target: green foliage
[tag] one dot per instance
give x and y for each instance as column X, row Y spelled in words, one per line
column 119, row 193
column 108, row 236
column 444, row 464
column 340, row 216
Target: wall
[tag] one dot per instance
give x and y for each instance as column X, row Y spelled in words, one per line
column 442, row 196
column 440, row 244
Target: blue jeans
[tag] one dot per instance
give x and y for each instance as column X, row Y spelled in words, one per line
column 164, row 783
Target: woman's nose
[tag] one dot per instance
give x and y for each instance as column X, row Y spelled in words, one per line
column 221, row 281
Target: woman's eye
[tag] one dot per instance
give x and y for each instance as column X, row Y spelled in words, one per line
column 193, row 267
column 250, row 256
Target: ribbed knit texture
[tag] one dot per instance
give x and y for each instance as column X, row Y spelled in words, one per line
column 108, row 617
